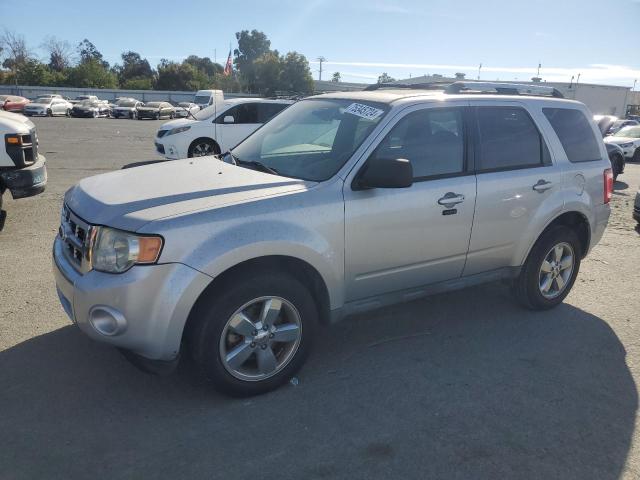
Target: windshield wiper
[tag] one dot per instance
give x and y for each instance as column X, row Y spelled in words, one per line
column 255, row 165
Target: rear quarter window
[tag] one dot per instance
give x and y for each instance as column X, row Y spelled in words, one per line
column 575, row 134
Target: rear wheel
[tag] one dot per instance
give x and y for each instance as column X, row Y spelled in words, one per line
column 636, row 155
column 49, row 112
column 255, row 333
column 616, row 164
column 68, row 112
column 550, row 270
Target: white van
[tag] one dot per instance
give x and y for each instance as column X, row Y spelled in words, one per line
column 205, row 98
column 217, row 128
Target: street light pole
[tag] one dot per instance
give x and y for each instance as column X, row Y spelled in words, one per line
column 321, row 59
column 479, row 68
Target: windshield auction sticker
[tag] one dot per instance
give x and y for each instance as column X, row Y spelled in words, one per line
column 364, row 111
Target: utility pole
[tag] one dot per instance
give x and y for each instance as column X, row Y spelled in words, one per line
column 321, row 59
column 479, row 69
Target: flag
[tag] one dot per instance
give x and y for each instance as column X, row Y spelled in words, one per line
column 228, row 68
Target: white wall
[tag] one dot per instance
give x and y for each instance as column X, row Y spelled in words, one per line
column 601, row 99
column 108, row 94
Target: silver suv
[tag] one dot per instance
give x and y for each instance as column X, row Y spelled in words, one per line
column 342, row 203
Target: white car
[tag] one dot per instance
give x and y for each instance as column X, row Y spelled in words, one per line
column 186, row 109
column 126, row 108
column 48, row 106
column 628, row 138
column 217, row 128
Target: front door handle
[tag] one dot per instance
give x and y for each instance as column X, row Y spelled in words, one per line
column 542, row 186
column 450, row 199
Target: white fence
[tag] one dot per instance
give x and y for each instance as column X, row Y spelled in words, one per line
column 109, row 94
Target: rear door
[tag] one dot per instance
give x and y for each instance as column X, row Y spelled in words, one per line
column 397, row 239
column 517, row 182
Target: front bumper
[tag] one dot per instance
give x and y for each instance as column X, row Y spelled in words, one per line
column 84, row 113
column 33, row 113
column 168, row 150
column 27, row 181
column 143, row 114
column 153, row 301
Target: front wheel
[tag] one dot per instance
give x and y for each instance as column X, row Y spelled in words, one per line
column 253, row 335
column 550, row 269
column 49, row 113
column 68, row 112
column 202, row 148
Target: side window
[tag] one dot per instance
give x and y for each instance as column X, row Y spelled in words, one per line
column 575, row 134
column 266, row 111
column 508, row 138
column 433, row 140
column 243, row 113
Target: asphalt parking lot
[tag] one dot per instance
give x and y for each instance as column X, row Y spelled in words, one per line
column 460, row 385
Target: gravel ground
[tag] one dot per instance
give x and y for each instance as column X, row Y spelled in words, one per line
column 460, row 385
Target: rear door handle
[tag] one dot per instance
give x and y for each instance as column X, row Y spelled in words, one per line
column 542, row 186
column 450, row 199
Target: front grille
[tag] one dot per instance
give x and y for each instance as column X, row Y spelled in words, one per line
column 76, row 234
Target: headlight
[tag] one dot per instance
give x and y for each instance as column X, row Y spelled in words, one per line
column 626, row 145
column 173, row 131
column 116, row 251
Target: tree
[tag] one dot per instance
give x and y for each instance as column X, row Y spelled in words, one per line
column 91, row 73
column 176, row 76
column 385, row 78
column 137, row 83
column 59, row 53
column 205, row 65
column 296, row 75
column 134, row 70
column 87, row 52
column 15, row 50
column 251, row 46
column 267, row 72
column 336, row 77
column 32, row 72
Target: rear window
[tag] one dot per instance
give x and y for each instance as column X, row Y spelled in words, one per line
column 575, row 134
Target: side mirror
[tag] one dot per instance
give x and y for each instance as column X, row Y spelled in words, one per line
column 384, row 173
column 229, row 119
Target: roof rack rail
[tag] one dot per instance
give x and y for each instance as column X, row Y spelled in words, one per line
column 496, row 88
column 501, row 88
column 416, row 86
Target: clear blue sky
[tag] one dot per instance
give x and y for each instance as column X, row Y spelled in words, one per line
column 362, row 38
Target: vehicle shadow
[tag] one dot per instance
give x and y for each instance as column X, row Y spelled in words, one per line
column 619, row 185
column 3, row 219
column 461, row 385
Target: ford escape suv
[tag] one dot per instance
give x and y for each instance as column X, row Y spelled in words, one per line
column 343, row 203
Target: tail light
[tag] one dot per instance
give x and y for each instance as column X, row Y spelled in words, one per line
column 608, row 185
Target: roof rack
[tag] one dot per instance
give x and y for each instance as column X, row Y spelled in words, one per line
column 496, row 88
column 501, row 88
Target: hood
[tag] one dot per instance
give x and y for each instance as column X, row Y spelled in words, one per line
column 618, row 140
column 177, row 123
column 148, row 108
column 14, row 121
column 130, row 198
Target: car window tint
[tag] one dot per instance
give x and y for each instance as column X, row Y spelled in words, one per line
column 266, row 111
column 508, row 138
column 575, row 134
column 433, row 140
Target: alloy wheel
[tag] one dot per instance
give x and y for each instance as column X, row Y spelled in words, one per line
column 556, row 270
column 260, row 338
column 203, row 149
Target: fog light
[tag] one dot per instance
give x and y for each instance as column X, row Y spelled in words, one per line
column 107, row 321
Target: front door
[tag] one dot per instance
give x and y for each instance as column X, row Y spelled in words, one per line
column 245, row 122
column 397, row 239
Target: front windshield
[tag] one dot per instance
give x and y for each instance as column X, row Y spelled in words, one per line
column 210, row 111
column 202, row 99
column 88, row 103
column 313, row 138
column 631, row 132
column 42, row 100
column 152, row 104
column 126, row 103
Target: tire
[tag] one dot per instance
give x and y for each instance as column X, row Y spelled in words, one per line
column 68, row 113
column 616, row 166
column 157, row 117
column 202, row 147
column 528, row 287
column 172, row 116
column 49, row 113
column 132, row 115
column 210, row 334
column 636, row 155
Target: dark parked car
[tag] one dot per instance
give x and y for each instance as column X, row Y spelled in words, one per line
column 616, row 156
column 620, row 124
column 91, row 108
column 156, row 110
column 604, row 122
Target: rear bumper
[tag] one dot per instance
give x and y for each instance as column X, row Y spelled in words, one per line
column 25, row 182
column 603, row 212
